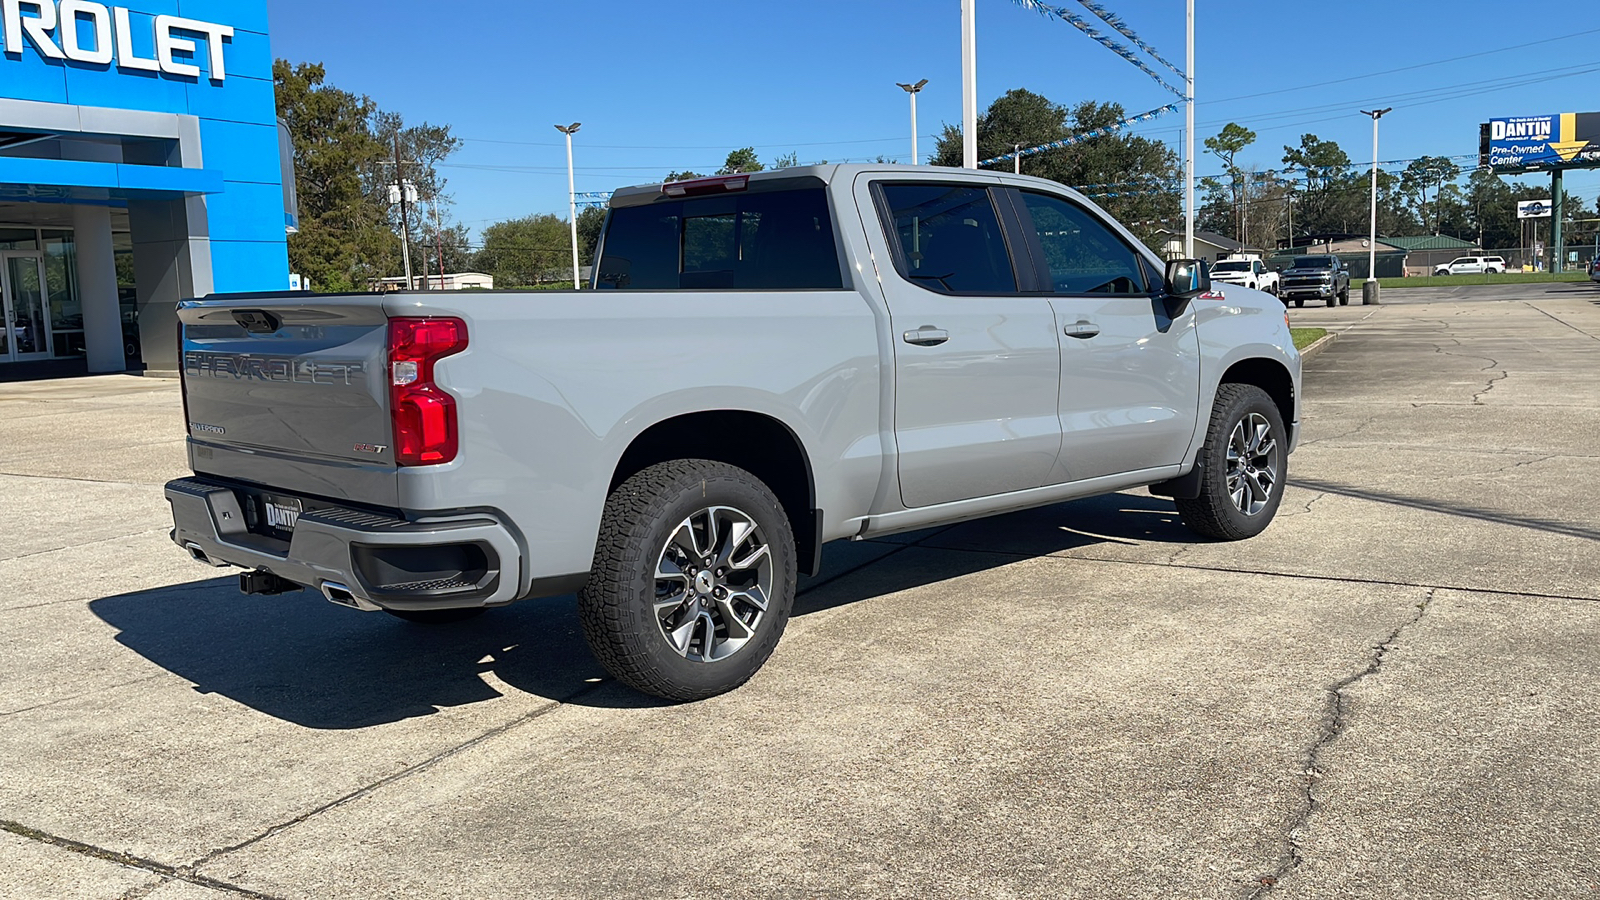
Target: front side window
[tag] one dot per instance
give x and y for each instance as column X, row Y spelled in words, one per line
column 769, row 240
column 950, row 238
column 1084, row 256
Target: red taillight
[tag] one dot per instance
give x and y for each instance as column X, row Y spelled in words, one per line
column 424, row 415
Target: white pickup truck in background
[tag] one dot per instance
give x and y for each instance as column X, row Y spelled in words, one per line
column 1248, row 272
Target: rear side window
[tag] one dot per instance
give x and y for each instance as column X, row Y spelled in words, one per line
column 950, row 238
column 775, row 240
column 1084, row 256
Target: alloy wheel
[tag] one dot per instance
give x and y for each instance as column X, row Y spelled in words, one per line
column 713, row 580
column 1252, row 473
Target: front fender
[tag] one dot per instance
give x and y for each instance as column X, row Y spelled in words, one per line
column 1243, row 325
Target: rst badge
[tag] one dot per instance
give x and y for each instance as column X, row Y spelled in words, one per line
column 371, row 448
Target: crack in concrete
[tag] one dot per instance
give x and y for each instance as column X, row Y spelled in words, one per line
column 1477, row 399
column 406, row 772
column 1336, row 719
column 128, row 860
column 99, row 690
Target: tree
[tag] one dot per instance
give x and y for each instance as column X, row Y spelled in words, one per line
column 590, row 221
column 342, row 233
column 526, row 251
column 1227, row 145
column 1333, row 200
column 344, row 163
column 421, row 149
column 682, row 176
column 1425, row 174
column 741, row 160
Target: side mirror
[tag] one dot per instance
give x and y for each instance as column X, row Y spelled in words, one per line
column 1187, row 279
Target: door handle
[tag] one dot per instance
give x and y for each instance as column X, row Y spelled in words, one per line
column 926, row 336
column 1081, row 329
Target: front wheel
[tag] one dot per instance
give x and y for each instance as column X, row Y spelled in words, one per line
column 1344, row 296
column 1299, row 303
column 1246, row 460
column 693, row 579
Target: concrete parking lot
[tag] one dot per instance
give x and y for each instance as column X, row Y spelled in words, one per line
column 1388, row 694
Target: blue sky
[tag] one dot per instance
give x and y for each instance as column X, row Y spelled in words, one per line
column 663, row 86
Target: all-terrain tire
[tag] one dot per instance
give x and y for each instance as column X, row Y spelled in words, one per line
column 1299, row 303
column 618, row 604
column 1215, row 513
column 438, row 616
column 1333, row 299
column 1344, row 296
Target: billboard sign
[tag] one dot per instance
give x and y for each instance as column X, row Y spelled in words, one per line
column 1531, row 143
column 1534, row 209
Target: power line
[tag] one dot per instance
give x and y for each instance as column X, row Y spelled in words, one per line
column 1437, row 62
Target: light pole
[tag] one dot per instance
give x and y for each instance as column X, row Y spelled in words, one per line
column 1016, row 158
column 914, row 90
column 572, row 199
column 1188, row 156
column 969, row 84
column 1369, row 290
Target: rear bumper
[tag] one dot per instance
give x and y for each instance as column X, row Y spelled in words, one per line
column 354, row 557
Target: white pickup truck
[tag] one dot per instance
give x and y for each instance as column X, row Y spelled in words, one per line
column 767, row 362
column 1249, row 272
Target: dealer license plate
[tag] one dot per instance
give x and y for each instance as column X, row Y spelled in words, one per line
column 281, row 513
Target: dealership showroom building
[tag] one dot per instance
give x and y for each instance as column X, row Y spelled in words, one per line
column 141, row 162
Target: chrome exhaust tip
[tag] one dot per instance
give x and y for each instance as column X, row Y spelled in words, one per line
column 340, row 594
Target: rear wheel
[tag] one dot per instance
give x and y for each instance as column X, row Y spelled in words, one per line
column 1246, row 457
column 693, row 579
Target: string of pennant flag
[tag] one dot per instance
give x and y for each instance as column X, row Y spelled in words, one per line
column 1116, row 24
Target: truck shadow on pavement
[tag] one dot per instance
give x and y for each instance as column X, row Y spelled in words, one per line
column 298, row 658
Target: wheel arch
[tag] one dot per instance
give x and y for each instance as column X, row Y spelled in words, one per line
column 762, row 445
column 1271, row 376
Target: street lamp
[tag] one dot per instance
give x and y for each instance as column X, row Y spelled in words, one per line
column 914, row 90
column 1369, row 290
column 572, row 199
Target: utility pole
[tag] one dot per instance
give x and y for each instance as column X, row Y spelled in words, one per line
column 438, row 238
column 405, row 211
column 914, row 90
column 1369, row 291
column 572, row 200
column 969, row 84
column 1558, row 242
column 1189, row 141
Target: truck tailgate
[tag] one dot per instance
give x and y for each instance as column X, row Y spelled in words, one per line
column 290, row 392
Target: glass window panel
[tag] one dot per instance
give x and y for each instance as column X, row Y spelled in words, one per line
column 950, row 238
column 765, row 240
column 19, row 239
column 61, row 280
column 1084, row 256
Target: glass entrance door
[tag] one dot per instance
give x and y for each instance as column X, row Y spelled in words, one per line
column 25, row 334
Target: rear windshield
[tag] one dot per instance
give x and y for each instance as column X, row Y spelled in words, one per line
column 775, row 240
column 1231, row 267
column 1313, row 262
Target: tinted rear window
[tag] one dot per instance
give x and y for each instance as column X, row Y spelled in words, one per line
column 778, row 240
